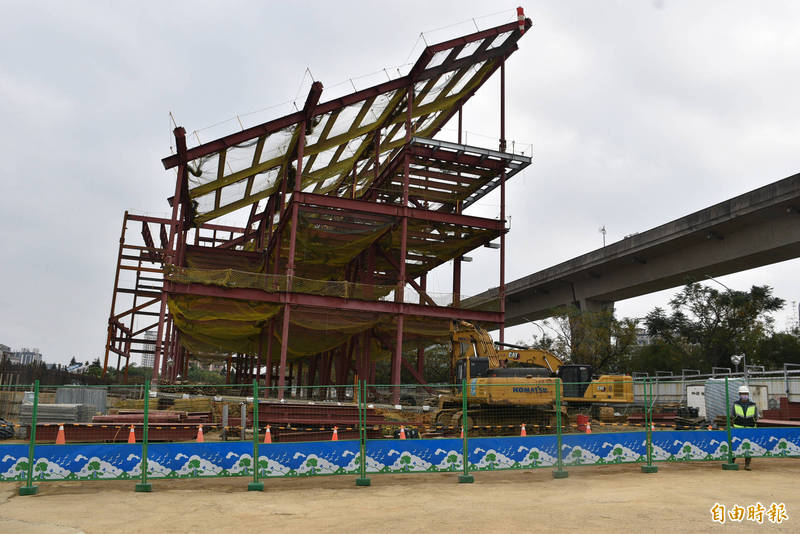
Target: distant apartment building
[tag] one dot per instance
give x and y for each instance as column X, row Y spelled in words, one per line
column 147, row 359
column 25, row 356
column 642, row 337
column 5, row 352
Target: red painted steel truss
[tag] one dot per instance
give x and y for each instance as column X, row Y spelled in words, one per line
column 351, row 203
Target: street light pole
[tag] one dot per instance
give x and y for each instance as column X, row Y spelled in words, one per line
column 717, row 281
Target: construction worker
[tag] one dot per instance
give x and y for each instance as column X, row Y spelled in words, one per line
column 745, row 415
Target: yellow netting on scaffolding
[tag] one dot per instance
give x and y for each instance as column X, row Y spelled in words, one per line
column 219, row 325
column 315, row 330
column 277, row 283
column 327, row 240
column 216, row 327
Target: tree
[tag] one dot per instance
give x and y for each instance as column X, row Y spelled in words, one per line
column 95, row 369
column 244, row 463
column 659, row 355
column 311, row 463
column 709, row 326
column 72, row 361
column 778, row 349
column 435, row 371
column 596, row 338
column 94, row 469
column 194, row 465
column 204, row 376
column 41, row 467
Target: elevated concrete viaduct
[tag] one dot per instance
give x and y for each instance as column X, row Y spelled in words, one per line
column 751, row 230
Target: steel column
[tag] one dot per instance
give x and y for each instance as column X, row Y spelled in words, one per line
column 268, row 377
column 290, row 260
column 502, row 287
column 114, row 293
column 175, row 221
column 423, row 284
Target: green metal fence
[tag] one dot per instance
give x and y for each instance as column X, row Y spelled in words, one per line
column 257, row 432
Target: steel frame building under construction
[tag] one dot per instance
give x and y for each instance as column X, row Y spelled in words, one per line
column 350, row 202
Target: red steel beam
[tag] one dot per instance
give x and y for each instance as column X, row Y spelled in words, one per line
column 94, row 432
column 398, row 211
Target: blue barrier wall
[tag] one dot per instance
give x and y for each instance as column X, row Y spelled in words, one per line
column 414, row 455
column 234, row 458
column 600, row 449
column 690, row 445
column 13, row 462
column 766, row 442
column 489, row 454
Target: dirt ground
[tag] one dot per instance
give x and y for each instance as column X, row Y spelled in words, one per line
column 593, row 499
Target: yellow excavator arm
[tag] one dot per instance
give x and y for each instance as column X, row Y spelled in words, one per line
column 539, row 357
column 470, row 341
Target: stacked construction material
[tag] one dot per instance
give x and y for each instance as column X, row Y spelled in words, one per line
column 95, row 433
column 688, row 418
column 90, row 396
column 57, row 413
column 154, row 417
column 321, row 415
column 716, row 405
column 134, row 404
column 787, row 415
column 679, row 417
column 295, row 421
column 197, row 404
column 787, row 411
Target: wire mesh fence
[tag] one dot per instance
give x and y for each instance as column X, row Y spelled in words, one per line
column 248, row 430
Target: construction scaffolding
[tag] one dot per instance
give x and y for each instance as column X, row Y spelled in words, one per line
column 351, row 203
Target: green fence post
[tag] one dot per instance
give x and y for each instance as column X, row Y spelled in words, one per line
column 29, row 488
column 559, row 472
column 730, row 465
column 465, row 477
column 362, row 479
column 648, row 422
column 144, row 485
column 255, row 485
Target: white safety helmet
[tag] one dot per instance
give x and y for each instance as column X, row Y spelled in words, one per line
column 743, row 390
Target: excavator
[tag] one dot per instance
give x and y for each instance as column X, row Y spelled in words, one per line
column 516, row 384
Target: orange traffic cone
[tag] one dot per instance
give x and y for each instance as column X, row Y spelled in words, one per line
column 131, row 436
column 335, row 436
column 522, row 432
column 60, row 438
column 200, row 438
column 588, row 427
column 652, row 427
column 462, row 432
column 267, row 436
column 402, row 432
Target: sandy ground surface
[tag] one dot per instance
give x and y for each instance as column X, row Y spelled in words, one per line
column 593, row 499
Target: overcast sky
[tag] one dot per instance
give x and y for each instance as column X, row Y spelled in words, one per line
column 638, row 112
